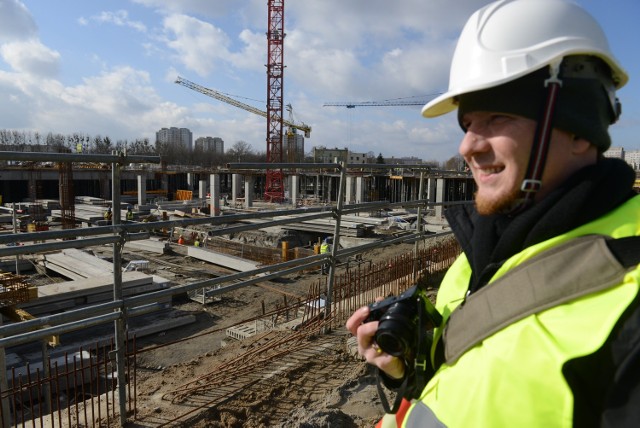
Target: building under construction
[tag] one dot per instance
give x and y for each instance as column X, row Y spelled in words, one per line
column 75, row 338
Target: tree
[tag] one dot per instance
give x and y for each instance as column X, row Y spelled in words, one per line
column 455, row 163
column 141, row 147
column 380, row 159
column 239, row 151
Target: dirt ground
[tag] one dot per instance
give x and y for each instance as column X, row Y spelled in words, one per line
column 195, row 376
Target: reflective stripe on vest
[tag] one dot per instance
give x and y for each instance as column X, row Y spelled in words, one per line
column 422, row 416
column 543, row 282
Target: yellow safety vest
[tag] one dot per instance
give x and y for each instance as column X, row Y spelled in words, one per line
column 513, row 377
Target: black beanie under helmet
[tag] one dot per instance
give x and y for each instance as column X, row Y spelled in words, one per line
column 583, row 108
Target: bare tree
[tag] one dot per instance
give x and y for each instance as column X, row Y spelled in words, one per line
column 455, row 163
column 240, row 151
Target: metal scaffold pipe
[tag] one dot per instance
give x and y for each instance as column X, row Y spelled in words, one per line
column 78, row 157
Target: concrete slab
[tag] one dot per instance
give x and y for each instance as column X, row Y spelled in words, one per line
column 226, row 260
column 91, row 285
column 151, row 245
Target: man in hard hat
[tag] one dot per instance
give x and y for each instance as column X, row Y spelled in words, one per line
column 541, row 318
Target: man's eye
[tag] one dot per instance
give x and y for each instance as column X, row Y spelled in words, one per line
column 499, row 118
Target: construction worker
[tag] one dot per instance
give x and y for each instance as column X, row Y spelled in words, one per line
column 196, row 243
column 541, row 313
column 325, row 247
column 181, row 240
column 129, row 213
column 108, row 215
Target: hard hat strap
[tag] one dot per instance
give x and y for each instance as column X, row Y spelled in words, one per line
column 532, row 182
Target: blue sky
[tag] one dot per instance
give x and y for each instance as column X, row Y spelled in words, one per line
column 108, row 68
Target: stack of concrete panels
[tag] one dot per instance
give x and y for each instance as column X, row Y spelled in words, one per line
column 326, row 226
column 77, row 264
column 91, row 210
column 151, row 245
column 69, row 295
column 92, row 282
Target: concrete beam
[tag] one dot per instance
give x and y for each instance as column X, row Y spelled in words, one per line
column 226, row 260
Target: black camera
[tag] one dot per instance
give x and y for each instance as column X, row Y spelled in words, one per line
column 403, row 320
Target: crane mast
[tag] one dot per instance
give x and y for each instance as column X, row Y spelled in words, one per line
column 274, row 188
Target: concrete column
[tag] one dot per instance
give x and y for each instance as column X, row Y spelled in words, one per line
column 202, row 189
column 235, row 186
column 439, row 196
column 431, row 190
column 415, row 189
column 294, row 189
column 248, row 191
column 164, row 183
column 105, row 184
column 190, row 181
column 317, row 191
column 348, row 191
column 142, row 189
column 359, row 190
column 214, row 186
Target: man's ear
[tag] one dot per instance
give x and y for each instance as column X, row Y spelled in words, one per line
column 580, row 145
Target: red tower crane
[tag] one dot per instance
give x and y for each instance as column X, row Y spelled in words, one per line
column 274, row 188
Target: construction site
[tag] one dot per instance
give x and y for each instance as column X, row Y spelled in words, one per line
column 197, row 312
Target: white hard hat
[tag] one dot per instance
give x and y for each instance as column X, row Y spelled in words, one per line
column 508, row 39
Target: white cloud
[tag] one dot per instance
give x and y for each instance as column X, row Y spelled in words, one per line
column 31, row 57
column 121, row 101
column 199, row 45
column 253, row 54
column 119, row 18
column 15, row 21
column 207, row 8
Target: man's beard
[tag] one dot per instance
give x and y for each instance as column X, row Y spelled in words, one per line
column 504, row 205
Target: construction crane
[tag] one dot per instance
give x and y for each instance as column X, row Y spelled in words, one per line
column 274, row 188
column 374, row 104
column 420, row 101
column 293, row 126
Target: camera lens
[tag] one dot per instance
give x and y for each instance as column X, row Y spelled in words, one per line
column 396, row 331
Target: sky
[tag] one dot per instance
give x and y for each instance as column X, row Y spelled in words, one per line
column 108, row 68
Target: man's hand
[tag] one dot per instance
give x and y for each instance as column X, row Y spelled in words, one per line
column 368, row 348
